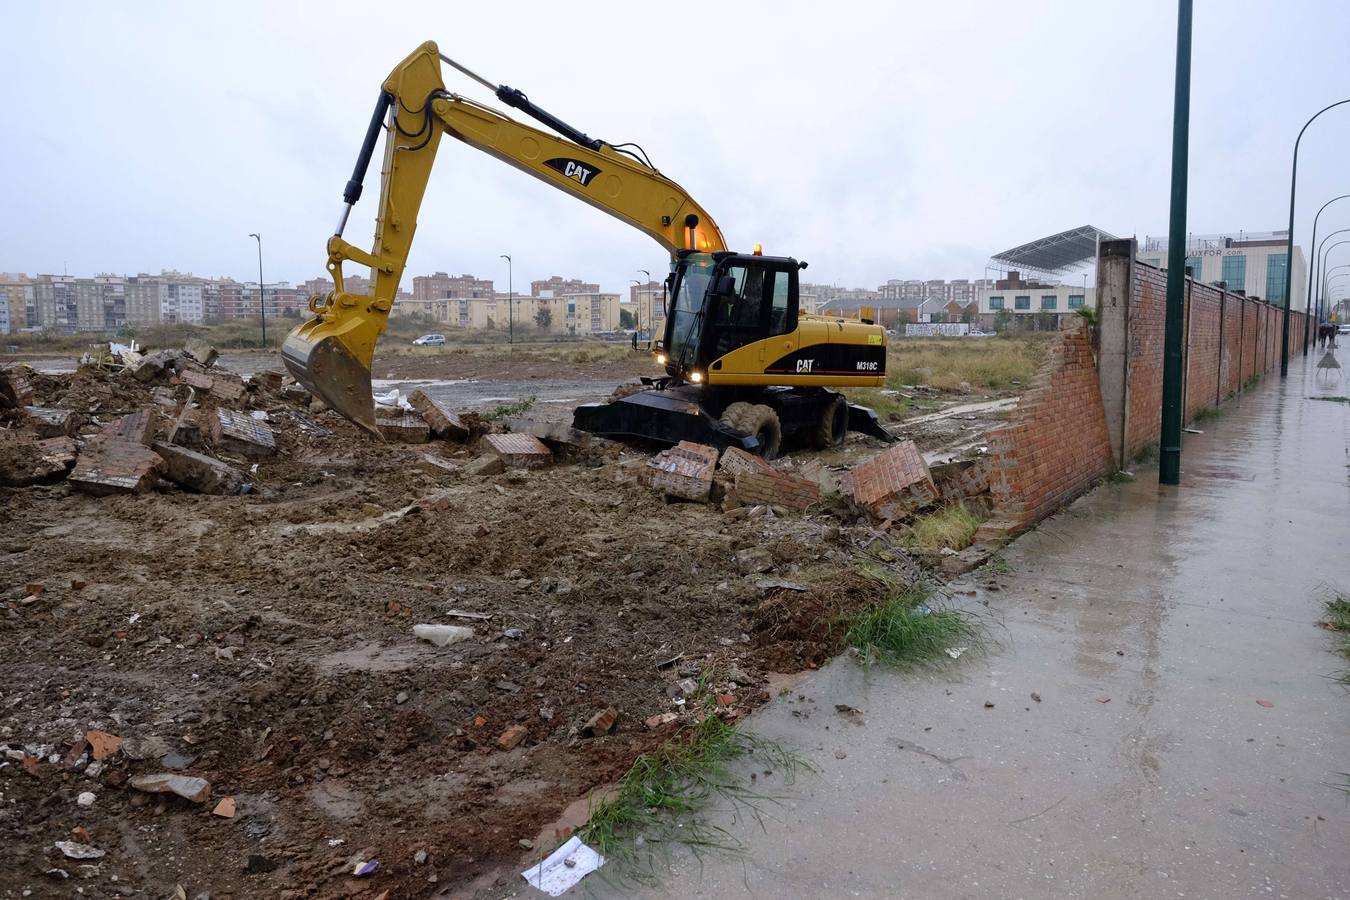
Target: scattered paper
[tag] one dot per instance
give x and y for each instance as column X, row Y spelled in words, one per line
column 955, row 652
column 563, row 868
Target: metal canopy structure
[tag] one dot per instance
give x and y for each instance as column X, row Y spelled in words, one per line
column 1054, row 254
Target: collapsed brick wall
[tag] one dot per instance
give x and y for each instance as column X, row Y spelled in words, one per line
column 1056, row 445
column 1228, row 338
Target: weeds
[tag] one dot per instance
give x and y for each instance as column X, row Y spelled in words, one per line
column 999, row 565
column 661, row 797
column 1117, row 476
column 506, row 410
column 888, row 407
column 1252, row 381
column 952, row 526
column 1336, row 619
column 1206, row 413
column 903, row 631
column 947, row 363
column 1147, row 453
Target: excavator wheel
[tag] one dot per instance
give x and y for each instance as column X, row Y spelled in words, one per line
column 832, row 427
column 758, row 420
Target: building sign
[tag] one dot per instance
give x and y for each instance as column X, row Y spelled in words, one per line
column 942, row 329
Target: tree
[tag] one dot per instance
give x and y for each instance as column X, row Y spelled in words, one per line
column 1003, row 321
column 543, row 318
column 969, row 313
column 627, row 319
column 1047, row 321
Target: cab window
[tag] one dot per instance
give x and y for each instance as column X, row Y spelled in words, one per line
column 779, row 318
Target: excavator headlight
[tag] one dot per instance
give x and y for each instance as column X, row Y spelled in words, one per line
column 758, row 250
column 662, row 359
column 695, row 377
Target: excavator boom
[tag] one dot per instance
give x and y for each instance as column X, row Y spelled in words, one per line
column 331, row 353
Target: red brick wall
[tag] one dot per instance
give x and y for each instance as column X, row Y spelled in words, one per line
column 1203, row 354
column 1214, row 367
column 1056, row 446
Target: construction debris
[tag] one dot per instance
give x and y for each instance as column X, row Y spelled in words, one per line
column 685, row 471
column 241, row 434
column 407, row 429
column 15, row 390
column 118, row 460
column 186, row 786
column 443, row 421
column 894, row 484
column 26, row 463
column 519, row 450
column 50, row 423
column 197, row 471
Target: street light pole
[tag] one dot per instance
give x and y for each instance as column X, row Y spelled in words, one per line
column 1307, row 303
column 646, row 286
column 510, row 302
column 262, row 291
column 1319, row 262
column 1289, row 243
column 1169, row 456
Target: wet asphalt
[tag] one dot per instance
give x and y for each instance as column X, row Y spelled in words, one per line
column 1187, row 741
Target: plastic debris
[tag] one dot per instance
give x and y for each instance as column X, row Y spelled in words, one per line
column 920, row 611
column 955, row 652
column 365, row 867
column 443, row 635
column 563, row 867
column 76, row 850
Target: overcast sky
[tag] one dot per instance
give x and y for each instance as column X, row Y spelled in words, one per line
column 873, row 140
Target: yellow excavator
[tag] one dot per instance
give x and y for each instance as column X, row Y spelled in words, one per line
column 743, row 365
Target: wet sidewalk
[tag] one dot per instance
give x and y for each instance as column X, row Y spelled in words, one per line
column 1187, row 740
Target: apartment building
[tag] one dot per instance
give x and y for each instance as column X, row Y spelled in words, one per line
column 557, row 286
column 16, row 295
column 646, row 303
column 441, row 286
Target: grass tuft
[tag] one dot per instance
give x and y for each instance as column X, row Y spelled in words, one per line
column 904, row 631
column 506, row 410
column 1117, row 476
column 660, row 799
column 888, row 407
column 952, row 526
column 1336, row 619
column 1206, row 413
column 944, row 363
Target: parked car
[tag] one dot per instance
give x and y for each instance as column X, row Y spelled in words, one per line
column 430, row 340
column 1344, row 328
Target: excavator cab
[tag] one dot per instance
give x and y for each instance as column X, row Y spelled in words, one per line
column 724, row 307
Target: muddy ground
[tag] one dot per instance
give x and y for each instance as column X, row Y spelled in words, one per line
column 264, row 643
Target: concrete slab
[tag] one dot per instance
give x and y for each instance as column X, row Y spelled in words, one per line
column 403, row 429
column 114, row 467
column 444, row 421
column 49, row 422
column 521, row 450
column 1149, row 621
column 197, row 471
column 37, row 462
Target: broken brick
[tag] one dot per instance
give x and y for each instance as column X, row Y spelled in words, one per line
column 660, row 720
column 115, row 467
column 403, row 429
column 15, row 391
column 521, row 450
column 102, row 744
column 685, row 470
column 197, row 471
column 895, row 483
column 512, row 736
column 444, row 422
column 734, row 461
column 776, row 489
column 601, row 723
column 135, row 428
column 50, row 423
column 229, row 388
column 240, row 433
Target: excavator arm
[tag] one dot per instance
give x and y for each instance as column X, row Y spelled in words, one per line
column 331, row 353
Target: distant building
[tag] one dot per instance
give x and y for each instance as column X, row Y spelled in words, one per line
column 1021, row 298
column 1251, row 263
column 646, row 302
column 441, row 286
column 557, row 286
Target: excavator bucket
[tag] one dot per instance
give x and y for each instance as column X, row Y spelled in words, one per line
column 332, row 359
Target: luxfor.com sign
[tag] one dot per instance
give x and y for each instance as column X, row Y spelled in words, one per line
column 938, row 329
